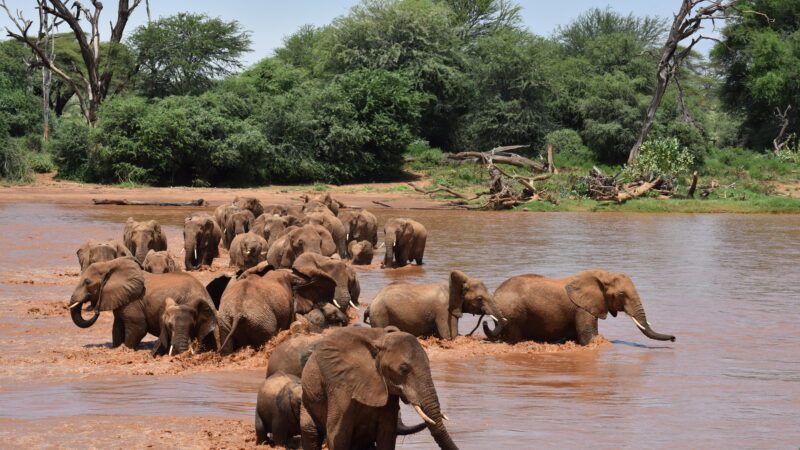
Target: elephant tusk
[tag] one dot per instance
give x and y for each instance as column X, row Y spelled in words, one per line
column 195, row 253
column 494, row 318
column 74, row 305
column 337, row 304
column 170, row 350
column 191, row 350
column 637, row 323
column 353, row 304
column 380, row 245
column 423, row 415
column 445, row 416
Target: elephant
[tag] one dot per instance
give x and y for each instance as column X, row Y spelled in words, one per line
column 291, row 355
column 360, row 252
column 321, row 198
column 222, row 212
column 140, row 237
column 334, row 227
column 201, row 236
column 251, row 204
column 247, row 250
column 278, row 410
column 361, row 226
column 239, row 221
column 263, row 301
column 325, row 316
column 181, row 323
column 405, row 241
column 274, row 210
column 348, row 289
column 138, row 300
column 305, row 239
column 93, row 251
column 159, row 262
column 273, row 227
column 553, row 310
column 352, row 384
column 431, row 309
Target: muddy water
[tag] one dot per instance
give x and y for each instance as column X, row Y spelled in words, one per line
column 727, row 286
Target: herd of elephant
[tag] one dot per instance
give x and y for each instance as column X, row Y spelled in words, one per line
column 295, row 267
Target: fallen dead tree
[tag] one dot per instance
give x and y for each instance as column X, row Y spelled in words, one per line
column 503, row 194
column 124, row 202
column 512, row 160
column 605, row 188
column 439, row 188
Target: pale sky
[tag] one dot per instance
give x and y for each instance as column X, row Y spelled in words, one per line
column 270, row 20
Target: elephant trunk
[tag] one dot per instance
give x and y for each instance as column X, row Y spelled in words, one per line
column 180, row 341
column 490, row 307
column 141, row 251
column 389, row 256
column 190, row 259
column 75, row 311
column 636, row 312
column 404, row 430
column 430, row 406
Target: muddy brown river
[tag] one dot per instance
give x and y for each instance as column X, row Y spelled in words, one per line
column 728, row 286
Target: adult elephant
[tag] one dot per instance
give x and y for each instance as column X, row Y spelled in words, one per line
column 247, row 250
column 139, row 300
column 557, row 309
column 348, row 289
column 334, row 227
column 361, row 226
column 141, row 237
column 290, row 355
column 251, row 204
column 322, row 198
column 93, row 251
column 222, row 212
column 263, row 301
column 299, row 240
column 405, row 241
column 201, row 236
column 272, row 227
column 352, row 384
column 159, row 262
column 238, row 221
column 431, row 309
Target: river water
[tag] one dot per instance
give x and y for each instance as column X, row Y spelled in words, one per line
column 727, row 286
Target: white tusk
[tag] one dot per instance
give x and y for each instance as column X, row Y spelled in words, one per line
column 380, row 245
column 445, row 416
column 191, row 350
column 170, row 350
column 353, row 304
column 74, row 305
column 337, row 304
column 195, row 253
column 423, row 415
column 494, row 318
column 637, row 323
column 183, row 250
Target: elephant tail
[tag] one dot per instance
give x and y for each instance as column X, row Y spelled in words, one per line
column 366, row 316
column 231, row 332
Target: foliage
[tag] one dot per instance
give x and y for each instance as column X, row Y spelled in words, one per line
column 664, row 157
column 182, row 54
column 761, row 62
column 479, row 18
column 14, row 162
column 568, row 146
column 69, row 145
column 596, row 23
column 20, row 109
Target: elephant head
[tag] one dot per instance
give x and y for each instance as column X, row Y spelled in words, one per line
column 312, row 288
column 93, row 251
column 374, row 363
column 247, row 250
column 275, row 227
column 181, row 323
column 360, row 252
column 325, row 316
column 470, row 295
column 348, row 288
column 159, row 262
column 307, row 239
column 198, row 232
column 239, row 221
column 143, row 236
column 106, row 286
column 251, row 204
column 398, row 234
column 600, row 292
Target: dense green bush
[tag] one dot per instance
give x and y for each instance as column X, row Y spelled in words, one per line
column 568, row 145
column 663, row 157
column 70, row 145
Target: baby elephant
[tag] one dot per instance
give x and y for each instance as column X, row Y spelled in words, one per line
column 360, row 252
column 247, row 250
column 325, row 316
column 278, row 410
column 159, row 262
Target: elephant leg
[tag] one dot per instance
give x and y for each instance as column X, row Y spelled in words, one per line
column 585, row 327
column 312, row 440
column 387, row 426
column 134, row 335
column 117, row 331
column 443, row 326
column 453, row 327
column 261, row 432
column 280, row 431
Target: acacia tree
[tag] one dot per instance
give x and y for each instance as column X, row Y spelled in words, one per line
column 688, row 21
column 96, row 75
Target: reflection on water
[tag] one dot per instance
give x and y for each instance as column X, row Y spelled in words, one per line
column 728, row 286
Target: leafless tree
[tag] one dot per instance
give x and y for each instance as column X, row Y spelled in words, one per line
column 46, row 40
column 781, row 140
column 95, row 77
column 687, row 22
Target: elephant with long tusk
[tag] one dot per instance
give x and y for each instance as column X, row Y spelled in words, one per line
column 551, row 310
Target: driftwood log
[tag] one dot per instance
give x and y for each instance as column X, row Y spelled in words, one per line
column 439, row 188
column 486, row 158
column 123, row 202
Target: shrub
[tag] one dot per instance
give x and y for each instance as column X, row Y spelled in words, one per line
column 14, row 161
column 663, row 157
column 69, row 144
column 41, row 162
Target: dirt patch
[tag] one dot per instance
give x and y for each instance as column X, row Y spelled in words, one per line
column 467, row 346
column 54, row 309
column 791, row 190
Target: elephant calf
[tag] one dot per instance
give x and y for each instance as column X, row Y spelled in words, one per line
column 431, row 309
column 405, row 241
column 159, row 262
column 201, row 236
column 360, row 252
column 93, row 251
column 278, row 410
column 140, row 237
column 247, row 250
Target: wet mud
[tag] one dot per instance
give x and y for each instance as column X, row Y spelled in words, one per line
column 727, row 286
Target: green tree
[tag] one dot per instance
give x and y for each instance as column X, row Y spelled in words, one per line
column 597, row 23
column 482, row 17
column 184, row 53
column 761, row 61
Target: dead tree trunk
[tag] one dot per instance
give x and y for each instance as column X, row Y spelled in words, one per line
column 46, row 40
column 687, row 21
column 96, row 75
column 780, row 140
column 551, row 167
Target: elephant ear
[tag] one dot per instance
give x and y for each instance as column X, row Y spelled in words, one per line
column 586, row 291
column 122, row 251
column 328, row 246
column 122, row 283
column 83, row 255
column 312, row 286
column 458, row 283
column 353, row 285
column 259, row 269
column 346, row 360
column 206, row 316
column 216, row 287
